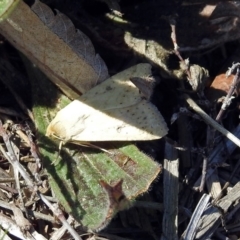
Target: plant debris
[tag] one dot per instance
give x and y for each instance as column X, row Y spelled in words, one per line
column 182, row 186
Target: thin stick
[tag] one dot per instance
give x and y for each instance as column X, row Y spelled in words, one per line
column 184, row 135
column 228, row 98
column 172, row 23
column 210, row 121
column 218, row 156
column 45, row 217
column 204, row 171
column 11, row 157
column 59, row 214
column 209, row 143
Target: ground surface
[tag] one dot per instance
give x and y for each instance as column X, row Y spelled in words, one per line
column 147, row 24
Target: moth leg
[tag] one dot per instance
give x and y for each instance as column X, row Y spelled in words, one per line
column 87, row 144
column 57, row 160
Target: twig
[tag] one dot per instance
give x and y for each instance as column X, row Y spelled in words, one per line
column 210, row 121
column 184, row 135
column 185, row 65
column 42, row 216
column 33, row 148
column 18, row 129
column 172, row 22
column 11, row 227
column 232, row 69
column 58, row 234
column 204, row 171
column 210, row 145
column 59, row 214
column 5, row 180
column 11, row 157
column 9, row 189
column 228, row 98
column 218, row 155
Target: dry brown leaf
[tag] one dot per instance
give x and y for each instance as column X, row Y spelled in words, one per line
column 220, row 87
column 64, row 54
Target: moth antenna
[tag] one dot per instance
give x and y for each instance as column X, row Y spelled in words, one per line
column 102, row 149
column 92, row 145
column 78, row 143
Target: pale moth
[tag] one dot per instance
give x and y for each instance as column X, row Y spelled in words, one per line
column 112, row 111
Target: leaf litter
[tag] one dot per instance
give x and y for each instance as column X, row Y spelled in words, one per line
column 213, row 167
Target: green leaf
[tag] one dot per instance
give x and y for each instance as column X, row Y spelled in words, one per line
column 92, row 185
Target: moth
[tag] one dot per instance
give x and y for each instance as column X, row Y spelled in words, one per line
column 114, row 110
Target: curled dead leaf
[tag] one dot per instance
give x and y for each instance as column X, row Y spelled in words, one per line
column 220, row 87
column 64, row 54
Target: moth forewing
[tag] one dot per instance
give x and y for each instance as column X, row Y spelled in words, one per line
column 139, row 122
column 145, row 84
column 69, row 121
column 111, row 111
column 117, row 91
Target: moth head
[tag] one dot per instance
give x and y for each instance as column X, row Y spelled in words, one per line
column 57, row 130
